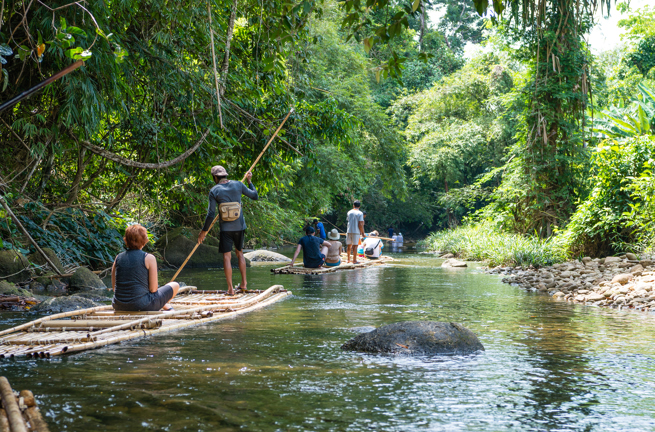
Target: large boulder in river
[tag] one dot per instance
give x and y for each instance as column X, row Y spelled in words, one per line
column 65, row 304
column 266, row 256
column 38, row 259
column 84, row 279
column 177, row 244
column 14, row 267
column 417, row 337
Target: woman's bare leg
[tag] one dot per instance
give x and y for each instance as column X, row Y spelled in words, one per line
column 176, row 288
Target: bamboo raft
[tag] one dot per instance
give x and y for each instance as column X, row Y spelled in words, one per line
column 91, row 328
column 299, row 269
column 19, row 412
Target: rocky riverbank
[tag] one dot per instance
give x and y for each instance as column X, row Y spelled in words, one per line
column 619, row 282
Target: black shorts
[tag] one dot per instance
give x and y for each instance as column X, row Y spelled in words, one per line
column 227, row 239
column 149, row 302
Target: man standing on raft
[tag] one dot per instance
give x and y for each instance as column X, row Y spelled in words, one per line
column 355, row 230
column 227, row 194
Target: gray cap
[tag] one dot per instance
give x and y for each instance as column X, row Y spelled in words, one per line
column 218, row 171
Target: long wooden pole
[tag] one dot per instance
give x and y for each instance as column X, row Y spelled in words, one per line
column 27, row 93
column 22, row 228
column 244, row 179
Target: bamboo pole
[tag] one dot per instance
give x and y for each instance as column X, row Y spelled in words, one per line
column 36, row 421
column 27, row 93
column 16, row 422
column 166, row 315
column 22, row 228
column 54, row 317
column 4, row 423
column 218, row 214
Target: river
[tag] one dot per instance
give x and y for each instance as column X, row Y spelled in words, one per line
column 547, row 366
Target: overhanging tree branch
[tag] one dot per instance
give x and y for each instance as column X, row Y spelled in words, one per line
column 127, row 162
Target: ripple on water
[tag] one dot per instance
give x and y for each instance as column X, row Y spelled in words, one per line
column 547, row 365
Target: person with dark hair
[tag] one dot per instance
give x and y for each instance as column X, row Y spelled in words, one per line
column 355, row 230
column 313, row 248
column 134, row 276
column 320, row 229
column 227, row 195
column 390, row 231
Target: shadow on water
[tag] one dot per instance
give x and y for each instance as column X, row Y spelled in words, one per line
column 547, row 365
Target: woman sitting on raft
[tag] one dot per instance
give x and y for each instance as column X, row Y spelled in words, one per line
column 134, row 277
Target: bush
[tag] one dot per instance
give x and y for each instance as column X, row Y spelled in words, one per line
column 616, row 215
column 485, row 243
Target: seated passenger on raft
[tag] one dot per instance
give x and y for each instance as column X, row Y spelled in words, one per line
column 333, row 258
column 313, row 248
column 134, row 277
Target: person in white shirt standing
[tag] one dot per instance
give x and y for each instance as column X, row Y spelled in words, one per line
column 355, row 229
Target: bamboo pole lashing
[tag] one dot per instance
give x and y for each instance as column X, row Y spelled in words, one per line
column 242, row 180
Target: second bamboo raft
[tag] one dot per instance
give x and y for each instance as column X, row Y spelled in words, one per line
column 86, row 329
column 363, row 263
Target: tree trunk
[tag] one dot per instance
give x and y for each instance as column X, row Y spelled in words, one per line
column 228, row 42
column 81, row 164
column 422, row 33
column 46, row 172
column 558, row 102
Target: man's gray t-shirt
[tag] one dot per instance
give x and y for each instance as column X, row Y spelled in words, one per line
column 224, row 193
column 354, row 217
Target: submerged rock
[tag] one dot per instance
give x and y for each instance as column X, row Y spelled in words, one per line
column 455, row 263
column 84, row 279
column 65, row 304
column 38, row 259
column 417, row 337
column 14, row 267
column 176, row 245
column 266, row 256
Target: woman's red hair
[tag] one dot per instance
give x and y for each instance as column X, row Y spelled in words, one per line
column 136, row 236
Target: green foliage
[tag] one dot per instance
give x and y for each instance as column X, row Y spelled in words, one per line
column 638, row 118
column 75, row 236
column 612, row 217
column 457, row 131
column 484, row 242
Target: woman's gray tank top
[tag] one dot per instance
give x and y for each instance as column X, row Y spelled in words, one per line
column 131, row 276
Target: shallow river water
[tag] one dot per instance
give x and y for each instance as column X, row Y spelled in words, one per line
column 547, row 366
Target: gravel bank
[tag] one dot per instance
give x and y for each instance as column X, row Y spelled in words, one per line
column 618, row 282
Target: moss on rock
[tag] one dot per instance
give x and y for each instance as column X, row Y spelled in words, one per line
column 7, row 288
column 38, row 259
column 84, row 279
column 177, row 244
column 14, row 267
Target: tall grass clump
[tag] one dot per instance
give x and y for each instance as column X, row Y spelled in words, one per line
column 485, row 243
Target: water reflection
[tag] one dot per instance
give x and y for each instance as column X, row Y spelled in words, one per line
column 547, row 365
